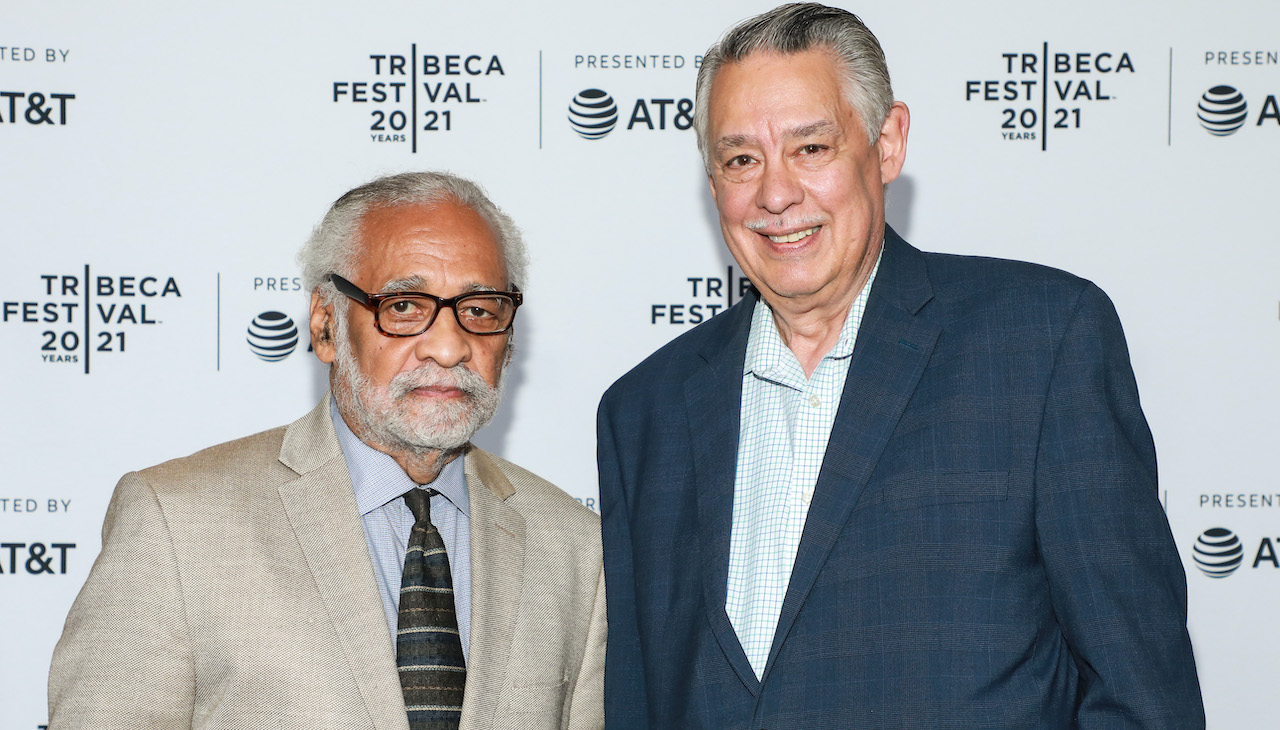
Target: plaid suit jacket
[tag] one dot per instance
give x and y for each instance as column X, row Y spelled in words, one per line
column 985, row 547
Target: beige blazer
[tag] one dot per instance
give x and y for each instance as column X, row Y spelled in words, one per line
column 234, row 590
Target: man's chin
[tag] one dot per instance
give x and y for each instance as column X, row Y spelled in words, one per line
column 430, row 413
column 427, row 428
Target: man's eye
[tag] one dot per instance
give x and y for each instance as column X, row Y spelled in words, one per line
column 403, row 308
column 812, row 149
column 477, row 311
column 738, row 161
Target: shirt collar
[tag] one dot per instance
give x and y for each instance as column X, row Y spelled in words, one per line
column 378, row 479
column 769, row 357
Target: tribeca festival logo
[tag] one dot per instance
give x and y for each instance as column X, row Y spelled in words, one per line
column 706, row 297
column 408, row 94
column 80, row 315
column 34, row 108
column 1045, row 92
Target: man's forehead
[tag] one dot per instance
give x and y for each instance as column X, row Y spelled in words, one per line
column 769, row 86
column 814, row 57
column 414, row 247
column 391, row 218
column 444, row 224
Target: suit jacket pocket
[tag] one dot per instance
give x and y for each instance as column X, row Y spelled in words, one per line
column 912, row 490
column 537, row 706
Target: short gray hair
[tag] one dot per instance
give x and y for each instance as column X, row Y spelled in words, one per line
column 796, row 28
column 333, row 246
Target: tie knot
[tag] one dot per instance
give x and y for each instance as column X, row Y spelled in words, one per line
column 419, row 502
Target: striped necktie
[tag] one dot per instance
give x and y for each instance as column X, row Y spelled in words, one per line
column 429, row 656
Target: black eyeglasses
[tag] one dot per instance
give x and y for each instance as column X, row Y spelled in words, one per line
column 405, row 314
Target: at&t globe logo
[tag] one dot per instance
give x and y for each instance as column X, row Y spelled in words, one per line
column 1223, row 110
column 272, row 336
column 1218, row 552
column 593, row 113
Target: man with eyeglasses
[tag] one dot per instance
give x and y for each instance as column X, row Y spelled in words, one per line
column 365, row 566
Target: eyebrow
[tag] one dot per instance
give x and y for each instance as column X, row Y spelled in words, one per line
column 734, row 141
column 808, row 130
column 411, row 283
column 418, row 284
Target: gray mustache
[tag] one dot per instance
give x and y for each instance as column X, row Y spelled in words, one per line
column 432, row 375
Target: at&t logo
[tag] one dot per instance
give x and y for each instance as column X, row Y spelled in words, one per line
column 40, row 108
column 1223, row 110
column 593, row 114
column 1218, row 552
column 272, row 336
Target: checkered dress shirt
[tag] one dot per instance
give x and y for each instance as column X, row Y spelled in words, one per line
column 785, row 424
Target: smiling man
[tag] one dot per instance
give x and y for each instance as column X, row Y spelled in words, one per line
column 891, row 488
column 366, row 566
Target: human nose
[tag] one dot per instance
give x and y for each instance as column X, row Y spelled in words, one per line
column 444, row 342
column 779, row 188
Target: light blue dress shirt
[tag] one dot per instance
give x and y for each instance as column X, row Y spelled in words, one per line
column 786, row 421
column 379, row 483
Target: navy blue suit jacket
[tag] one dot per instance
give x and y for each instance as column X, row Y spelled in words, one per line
column 985, row 547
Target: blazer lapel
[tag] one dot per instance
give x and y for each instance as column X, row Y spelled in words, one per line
column 497, row 581
column 888, row 359
column 713, row 395
column 321, row 508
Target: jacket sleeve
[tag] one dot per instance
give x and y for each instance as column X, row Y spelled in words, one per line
column 625, row 705
column 1115, row 578
column 587, row 709
column 125, row 658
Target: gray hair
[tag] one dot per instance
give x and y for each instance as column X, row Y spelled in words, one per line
column 334, row 245
column 796, row 28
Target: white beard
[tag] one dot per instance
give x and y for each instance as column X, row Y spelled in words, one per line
column 396, row 419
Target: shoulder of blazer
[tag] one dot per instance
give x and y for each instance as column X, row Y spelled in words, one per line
column 258, row 452
column 675, row 361
column 528, row 493
column 971, row 288
column 266, row 459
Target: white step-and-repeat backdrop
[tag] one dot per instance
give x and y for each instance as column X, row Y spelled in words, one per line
column 160, row 164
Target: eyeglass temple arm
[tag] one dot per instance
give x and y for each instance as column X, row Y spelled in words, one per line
column 349, row 289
